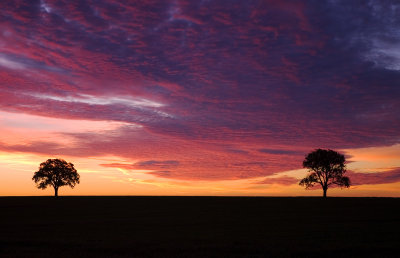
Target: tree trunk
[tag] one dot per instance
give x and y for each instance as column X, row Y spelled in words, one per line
column 56, row 191
column 325, row 189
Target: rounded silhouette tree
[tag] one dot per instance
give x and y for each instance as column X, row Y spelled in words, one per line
column 56, row 173
column 326, row 168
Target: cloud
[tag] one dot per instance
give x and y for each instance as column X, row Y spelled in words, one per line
column 283, row 180
column 385, row 55
column 278, row 151
column 229, row 91
column 158, row 164
column 99, row 100
column 17, row 62
column 146, row 164
column 387, row 177
column 45, row 7
column 8, row 63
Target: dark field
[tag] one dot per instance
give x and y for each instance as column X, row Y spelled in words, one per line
column 199, row 227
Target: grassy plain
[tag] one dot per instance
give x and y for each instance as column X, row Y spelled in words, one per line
column 199, row 227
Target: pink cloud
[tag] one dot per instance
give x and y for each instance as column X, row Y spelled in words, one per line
column 284, row 180
column 387, row 177
column 244, row 90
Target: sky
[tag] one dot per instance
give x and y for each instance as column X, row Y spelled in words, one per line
column 202, row 97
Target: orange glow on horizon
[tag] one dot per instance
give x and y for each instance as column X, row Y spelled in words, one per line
column 16, row 171
column 17, row 167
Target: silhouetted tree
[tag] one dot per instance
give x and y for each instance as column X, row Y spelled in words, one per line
column 56, row 173
column 326, row 168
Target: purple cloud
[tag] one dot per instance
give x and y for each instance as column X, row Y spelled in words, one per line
column 283, row 180
column 387, row 177
column 215, row 86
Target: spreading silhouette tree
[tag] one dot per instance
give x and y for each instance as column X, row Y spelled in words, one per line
column 56, row 173
column 326, row 167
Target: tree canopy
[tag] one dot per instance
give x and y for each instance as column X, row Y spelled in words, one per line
column 56, row 173
column 326, row 167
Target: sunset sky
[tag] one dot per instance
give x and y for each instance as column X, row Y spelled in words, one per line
column 199, row 97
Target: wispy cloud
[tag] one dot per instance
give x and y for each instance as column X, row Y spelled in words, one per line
column 103, row 100
column 228, row 91
column 387, row 177
column 283, row 180
column 11, row 64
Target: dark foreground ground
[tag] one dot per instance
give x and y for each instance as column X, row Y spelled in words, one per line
column 199, row 227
